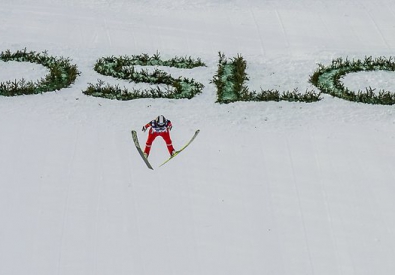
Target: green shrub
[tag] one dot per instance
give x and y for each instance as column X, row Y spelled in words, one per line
column 123, row 67
column 231, row 78
column 61, row 73
column 328, row 79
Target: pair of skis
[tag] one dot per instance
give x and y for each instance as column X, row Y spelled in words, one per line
column 137, row 144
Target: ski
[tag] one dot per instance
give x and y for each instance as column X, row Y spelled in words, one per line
column 179, row 151
column 137, row 144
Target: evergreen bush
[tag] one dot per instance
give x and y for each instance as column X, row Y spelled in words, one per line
column 328, row 79
column 61, row 73
column 123, row 67
column 231, row 78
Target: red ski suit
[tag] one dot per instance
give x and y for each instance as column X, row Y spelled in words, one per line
column 155, row 131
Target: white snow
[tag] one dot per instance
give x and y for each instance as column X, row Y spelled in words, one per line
column 266, row 188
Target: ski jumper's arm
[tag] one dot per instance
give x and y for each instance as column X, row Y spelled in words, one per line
column 169, row 125
column 146, row 126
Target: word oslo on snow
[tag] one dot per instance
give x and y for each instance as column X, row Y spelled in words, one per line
column 230, row 79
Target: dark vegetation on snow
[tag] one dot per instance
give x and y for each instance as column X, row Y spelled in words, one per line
column 328, row 79
column 61, row 73
column 231, row 78
column 123, row 67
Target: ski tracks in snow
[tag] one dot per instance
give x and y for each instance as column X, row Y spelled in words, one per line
column 319, row 162
column 283, row 29
column 67, row 180
column 301, row 212
column 258, row 31
column 377, row 28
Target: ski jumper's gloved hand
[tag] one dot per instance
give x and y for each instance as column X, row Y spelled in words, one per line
column 144, row 129
column 169, row 125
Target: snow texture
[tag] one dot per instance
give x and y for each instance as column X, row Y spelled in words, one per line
column 266, row 188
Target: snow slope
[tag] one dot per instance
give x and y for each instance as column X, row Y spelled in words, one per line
column 266, row 188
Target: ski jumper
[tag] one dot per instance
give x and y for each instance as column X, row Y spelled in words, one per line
column 155, row 131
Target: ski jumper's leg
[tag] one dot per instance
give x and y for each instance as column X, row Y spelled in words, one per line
column 169, row 143
column 150, row 139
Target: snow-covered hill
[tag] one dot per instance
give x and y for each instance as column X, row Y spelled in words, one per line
column 266, row 188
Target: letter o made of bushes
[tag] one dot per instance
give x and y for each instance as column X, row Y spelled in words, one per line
column 61, row 74
column 328, row 79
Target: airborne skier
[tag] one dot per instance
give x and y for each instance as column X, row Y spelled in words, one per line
column 158, row 127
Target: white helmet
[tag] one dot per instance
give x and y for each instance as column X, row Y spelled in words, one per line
column 161, row 121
